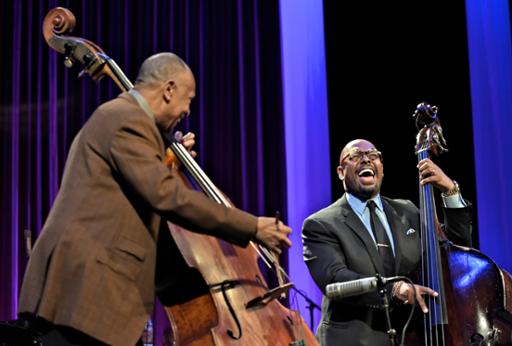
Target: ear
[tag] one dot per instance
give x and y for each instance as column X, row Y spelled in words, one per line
column 339, row 170
column 169, row 87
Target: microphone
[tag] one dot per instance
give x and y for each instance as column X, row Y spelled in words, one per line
column 351, row 288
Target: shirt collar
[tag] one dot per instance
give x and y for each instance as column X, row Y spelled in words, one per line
column 359, row 205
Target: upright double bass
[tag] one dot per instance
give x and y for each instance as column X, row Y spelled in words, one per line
column 474, row 306
column 231, row 304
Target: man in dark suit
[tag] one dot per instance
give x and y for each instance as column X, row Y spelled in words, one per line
column 341, row 244
column 90, row 278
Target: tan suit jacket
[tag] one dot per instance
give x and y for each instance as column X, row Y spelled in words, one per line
column 93, row 265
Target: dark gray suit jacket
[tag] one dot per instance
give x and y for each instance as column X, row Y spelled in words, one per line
column 337, row 248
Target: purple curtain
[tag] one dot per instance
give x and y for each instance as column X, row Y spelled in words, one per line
column 233, row 48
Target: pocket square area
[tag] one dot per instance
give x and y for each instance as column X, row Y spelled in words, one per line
column 410, row 231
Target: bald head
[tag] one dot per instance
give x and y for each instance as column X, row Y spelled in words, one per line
column 161, row 67
column 168, row 86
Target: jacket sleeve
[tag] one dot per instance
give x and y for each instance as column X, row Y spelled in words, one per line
column 137, row 158
column 458, row 225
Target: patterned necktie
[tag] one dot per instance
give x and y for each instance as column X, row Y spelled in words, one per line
column 383, row 243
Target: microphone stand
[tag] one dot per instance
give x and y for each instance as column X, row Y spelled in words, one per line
column 381, row 285
column 311, row 307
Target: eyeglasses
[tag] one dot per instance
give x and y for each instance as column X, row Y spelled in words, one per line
column 355, row 155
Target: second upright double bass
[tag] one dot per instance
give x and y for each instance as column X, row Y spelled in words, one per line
column 474, row 306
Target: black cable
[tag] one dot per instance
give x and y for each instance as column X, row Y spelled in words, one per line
column 413, row 306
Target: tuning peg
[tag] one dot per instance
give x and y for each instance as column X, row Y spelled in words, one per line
column 68, row 62
column 69, row 47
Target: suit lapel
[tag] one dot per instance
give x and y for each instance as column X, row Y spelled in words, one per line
column 355, row 224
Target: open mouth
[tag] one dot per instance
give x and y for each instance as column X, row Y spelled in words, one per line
column 367, row 172
column 367, row 175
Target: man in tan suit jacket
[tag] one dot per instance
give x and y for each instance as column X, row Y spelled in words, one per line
column 90, row 278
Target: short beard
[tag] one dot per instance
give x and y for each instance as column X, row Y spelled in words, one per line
column 364, row 193
column 367, row 193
